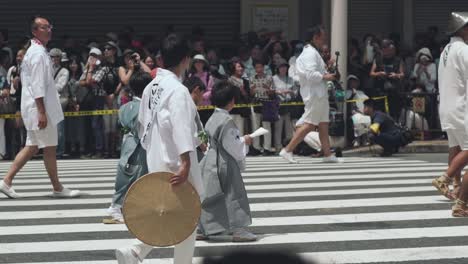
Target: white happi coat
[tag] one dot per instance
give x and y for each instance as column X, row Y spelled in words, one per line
column 453, row 77
column 170, row 130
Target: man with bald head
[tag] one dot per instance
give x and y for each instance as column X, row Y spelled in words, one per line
column 40, row 109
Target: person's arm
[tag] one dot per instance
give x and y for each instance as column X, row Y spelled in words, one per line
column 209, row 89
column 125, row 76
column 41, row 110
column 374, row 73
column 182, row 118
column 308, row 67
column 62, row 79
column 235, row 145
column 145, row 67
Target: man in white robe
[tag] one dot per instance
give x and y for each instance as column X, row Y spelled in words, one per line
column 453, row 76
column 169, row 135
column 40, row 110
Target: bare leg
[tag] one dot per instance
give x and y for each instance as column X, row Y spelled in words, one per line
column 457, row 164
column 50, row 162
column 23, row 156
column 324, row 139
column 453, row 152
column 463, row 195
column 299, row 136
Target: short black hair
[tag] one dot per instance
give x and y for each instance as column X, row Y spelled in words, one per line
column 174, row 50
column 32, row 21
column 314, row 31
column 223, row 93
column 258, row 61
column 193, row 82
column 370, row 103
column 138, row 81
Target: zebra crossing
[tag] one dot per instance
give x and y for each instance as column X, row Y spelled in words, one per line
column 366, row 210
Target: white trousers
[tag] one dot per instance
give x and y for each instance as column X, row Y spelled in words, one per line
column 2, row 137
column 256, row 123
column 285, row 125
column 239, row 121
column 183, row 252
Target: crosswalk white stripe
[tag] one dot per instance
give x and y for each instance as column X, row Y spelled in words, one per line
column 311, row 169
column 338, row 257
column 254, row 187
column 343, row 171
column 375, row 168
column 111, row 179
column 272, row 194
column 268, row 239
column 278, row 206
column 257, row 222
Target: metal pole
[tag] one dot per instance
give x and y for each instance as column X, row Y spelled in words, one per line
column 339, row 42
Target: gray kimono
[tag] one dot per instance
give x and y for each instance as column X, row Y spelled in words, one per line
column 132, row 162
column 226, row 205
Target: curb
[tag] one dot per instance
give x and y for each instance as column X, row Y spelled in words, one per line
column 440, row 146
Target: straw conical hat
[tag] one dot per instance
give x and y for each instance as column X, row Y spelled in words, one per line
column 160, row 214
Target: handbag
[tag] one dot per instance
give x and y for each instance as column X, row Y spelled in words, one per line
column 7, row 105
column 270, row 110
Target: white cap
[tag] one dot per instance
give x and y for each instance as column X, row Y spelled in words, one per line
column 95, row 51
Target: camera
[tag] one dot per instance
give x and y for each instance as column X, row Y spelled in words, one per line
column 136, row 62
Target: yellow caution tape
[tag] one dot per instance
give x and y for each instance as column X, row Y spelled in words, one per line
column 205, row 107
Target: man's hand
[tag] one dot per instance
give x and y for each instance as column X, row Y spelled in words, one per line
column 42, row 120
column 329, row 77
column 182, row 175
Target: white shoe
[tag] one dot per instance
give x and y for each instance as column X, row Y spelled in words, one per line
column 8, row 191
column 288, row 156
column 66, row 193
column 126, row 256
column 331, row 159
column 242, row 235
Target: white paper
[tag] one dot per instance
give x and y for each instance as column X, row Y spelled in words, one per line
column 259, row 132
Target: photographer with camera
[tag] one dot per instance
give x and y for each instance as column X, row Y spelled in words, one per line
column 92, row 79
column 388, row 73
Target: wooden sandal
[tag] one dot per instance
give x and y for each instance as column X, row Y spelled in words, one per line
column 442, row 185
column 459, row 209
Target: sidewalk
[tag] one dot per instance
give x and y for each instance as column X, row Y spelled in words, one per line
column 428, row 146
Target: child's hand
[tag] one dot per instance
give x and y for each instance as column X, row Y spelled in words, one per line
column 248, row 140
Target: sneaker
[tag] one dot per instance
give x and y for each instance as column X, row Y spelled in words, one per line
column 242, row 235
column 8, row 191
column 331, row 159
column 66, row 193
column 116, row 216
column 126, row 256
column 288, row 156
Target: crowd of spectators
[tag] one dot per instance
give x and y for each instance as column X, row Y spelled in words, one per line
column 94, row 75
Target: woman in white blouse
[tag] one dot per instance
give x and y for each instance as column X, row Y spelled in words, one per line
column 286, row 90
